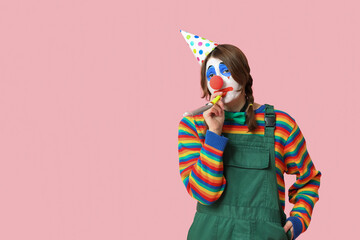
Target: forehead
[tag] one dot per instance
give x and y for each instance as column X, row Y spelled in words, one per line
column 213, row 61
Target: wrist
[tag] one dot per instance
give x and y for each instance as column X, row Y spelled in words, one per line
column 297, row 225
column 217, row 131
column 214, row 140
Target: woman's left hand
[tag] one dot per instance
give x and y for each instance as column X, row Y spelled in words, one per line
column 288, row 225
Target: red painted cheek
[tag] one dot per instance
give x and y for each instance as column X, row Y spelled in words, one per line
column 216, row 82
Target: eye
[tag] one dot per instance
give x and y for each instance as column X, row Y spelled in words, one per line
column 224, row 70
column 210, row 72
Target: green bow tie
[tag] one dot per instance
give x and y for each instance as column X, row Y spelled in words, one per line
column 238, row 117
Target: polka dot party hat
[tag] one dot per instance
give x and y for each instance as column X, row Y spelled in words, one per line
column 200, row 46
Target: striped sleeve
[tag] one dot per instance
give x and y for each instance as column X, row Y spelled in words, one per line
column 304, row 192
column 201, row 165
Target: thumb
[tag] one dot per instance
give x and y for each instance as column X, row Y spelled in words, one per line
column 288, row 225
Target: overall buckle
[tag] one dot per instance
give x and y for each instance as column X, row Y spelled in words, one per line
column 270, row 120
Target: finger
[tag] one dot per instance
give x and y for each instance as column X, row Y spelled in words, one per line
column 215, row 110
column 218, row 108
column 208, row 112
column 221, row 103
column 287, row 226
column 221, row 113
column 215, row 95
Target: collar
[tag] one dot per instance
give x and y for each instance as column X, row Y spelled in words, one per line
column 238, row 117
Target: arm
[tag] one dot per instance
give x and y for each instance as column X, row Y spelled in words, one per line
column 304, row 192
column 201, row 166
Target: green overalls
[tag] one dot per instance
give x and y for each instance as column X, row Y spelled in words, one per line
column 249, row 208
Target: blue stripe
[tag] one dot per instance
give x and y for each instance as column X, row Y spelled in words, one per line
column 189, row 157
column 211, row 154
column 188, row 123
column 209, row 170
column 200, row 181
column 199, row 198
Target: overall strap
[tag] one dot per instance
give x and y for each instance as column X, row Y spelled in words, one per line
column 269, row 121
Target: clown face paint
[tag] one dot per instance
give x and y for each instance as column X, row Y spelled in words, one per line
column 220, row 80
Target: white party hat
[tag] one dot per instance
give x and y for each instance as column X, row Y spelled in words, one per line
column 200, row 46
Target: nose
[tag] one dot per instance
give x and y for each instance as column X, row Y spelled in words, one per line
column 216, row 82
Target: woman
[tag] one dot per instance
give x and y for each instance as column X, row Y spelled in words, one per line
column 233, row 157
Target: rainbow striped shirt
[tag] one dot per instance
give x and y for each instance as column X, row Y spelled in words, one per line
column 201, row 166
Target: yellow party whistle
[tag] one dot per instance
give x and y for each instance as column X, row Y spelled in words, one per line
column 204, row 108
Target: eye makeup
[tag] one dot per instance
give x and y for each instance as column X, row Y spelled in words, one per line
column 224, row 70
column 210, row 72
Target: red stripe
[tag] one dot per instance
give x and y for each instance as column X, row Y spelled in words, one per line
column 208, row 180
column 218, row 169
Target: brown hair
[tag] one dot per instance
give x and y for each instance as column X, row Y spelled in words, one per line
column 238, row 66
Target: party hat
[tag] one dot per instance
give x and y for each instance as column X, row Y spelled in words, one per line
column 200, row 46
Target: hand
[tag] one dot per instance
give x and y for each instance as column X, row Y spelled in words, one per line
column 288, row 225
column 214, row 117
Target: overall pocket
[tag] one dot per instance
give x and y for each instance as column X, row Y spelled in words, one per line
column 246, row 157
column 270, row 231
column 246, row 169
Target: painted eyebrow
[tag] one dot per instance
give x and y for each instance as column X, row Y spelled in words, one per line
column 212, row 65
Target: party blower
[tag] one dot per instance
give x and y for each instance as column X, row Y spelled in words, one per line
column 204, row 108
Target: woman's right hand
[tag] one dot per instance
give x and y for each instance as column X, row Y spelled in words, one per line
column 214, row 116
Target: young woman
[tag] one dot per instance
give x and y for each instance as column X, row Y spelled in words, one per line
column 233, row 156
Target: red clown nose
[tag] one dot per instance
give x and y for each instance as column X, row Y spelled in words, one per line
column 216, row 82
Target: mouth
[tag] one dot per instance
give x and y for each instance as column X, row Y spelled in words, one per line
column 224, row 91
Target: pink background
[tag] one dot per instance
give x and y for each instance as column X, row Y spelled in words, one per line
column 91, row 94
